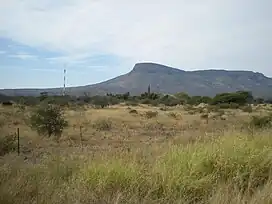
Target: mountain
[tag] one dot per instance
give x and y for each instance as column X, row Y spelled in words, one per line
column 170, row 80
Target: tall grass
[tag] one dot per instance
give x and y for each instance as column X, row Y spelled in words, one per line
column 234, row 169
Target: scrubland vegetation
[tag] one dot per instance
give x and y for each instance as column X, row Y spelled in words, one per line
column 150, row 149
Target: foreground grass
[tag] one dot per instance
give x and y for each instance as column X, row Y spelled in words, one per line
column 234, row 169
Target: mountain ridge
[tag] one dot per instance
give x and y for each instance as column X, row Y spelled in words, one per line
column 166, row 79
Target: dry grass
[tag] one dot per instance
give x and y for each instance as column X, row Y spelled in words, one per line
column 155, row 156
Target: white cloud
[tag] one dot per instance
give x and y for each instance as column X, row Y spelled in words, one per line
column 46, row 70
column 23, row 56
column 186, row 34
column 2, row 52
column 72, row 59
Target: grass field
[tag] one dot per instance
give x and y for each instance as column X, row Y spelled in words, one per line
column 139, row 154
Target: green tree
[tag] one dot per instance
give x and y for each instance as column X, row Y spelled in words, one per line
column 240, row 97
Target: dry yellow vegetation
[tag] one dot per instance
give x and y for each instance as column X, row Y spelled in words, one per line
column 139, row 154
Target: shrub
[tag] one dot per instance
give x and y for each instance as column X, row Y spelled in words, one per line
column 132, row 103
column 2, row 121
column 228, row 105
column 213, row 108
column 103, row 125
column 164, row 109
column 146, row 101
column 151, row 114
column 170, row 102
column 173, row 115
column 196, row 100
column 100, row 101
column 191, row 112
column 239, row 97
column 133, row 111
column 114, row 101
column 234, row 105
column 201, row 110
column 261, row 121
column 48, row 120
column 184, row 97
column 7, row 144
column 247, row 109
column 154, row 103
column 204, row 116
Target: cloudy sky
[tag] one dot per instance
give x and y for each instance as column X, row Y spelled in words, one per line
column 100, row 39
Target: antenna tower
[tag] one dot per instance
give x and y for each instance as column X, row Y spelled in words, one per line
column 64, row 81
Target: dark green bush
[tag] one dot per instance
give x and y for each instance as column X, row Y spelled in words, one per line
column 228, row 106
column 48, row 120
column 100, row 101
column 239, row 97
column 196, row 100
column 169, row 100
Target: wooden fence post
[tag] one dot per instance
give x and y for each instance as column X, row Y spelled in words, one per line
column 18, row 140
column 80, row 129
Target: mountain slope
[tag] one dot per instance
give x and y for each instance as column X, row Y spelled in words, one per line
column 165, row 79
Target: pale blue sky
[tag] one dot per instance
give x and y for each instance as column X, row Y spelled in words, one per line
column 100, row 39
column 25, row 66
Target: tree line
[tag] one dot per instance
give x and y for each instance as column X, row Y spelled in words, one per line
column 238, row 98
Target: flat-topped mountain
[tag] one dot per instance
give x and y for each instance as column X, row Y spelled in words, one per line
column 166, row 79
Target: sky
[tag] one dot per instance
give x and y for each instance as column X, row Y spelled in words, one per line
column 96, row 40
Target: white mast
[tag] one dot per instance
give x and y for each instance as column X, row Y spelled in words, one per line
column 64, row 81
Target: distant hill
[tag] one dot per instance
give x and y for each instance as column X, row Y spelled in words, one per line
column 166, row 79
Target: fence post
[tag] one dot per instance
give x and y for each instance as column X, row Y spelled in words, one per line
column 18, row 140
column 80, row 129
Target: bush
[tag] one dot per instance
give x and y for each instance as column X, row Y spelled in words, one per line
column 7, row 144
column 154, row 103
column 247, row 109
column 146, row 101
column 228, row 105
column 204, row 116
column 173, row 115
column 100, row 101
column 196, row 100
column 239, row 97
column 213, row 108
column 133, row 111
column 114, row 101
column 103, row 125
column 2, row 121
column 169, row 100
column 151, row 114
column 48, row 120
column 163, row 108
column 132, row 103
column 191, row 112
column 261, row 121
column 220, row 112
